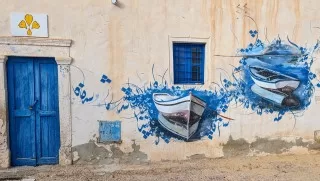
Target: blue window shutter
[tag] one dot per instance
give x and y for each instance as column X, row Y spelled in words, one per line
column 188, row 63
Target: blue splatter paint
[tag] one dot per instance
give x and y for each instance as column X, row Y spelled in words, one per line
column 105, row 79
column 80, row 92
column 253, row 33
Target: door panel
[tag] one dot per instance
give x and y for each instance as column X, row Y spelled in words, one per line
column 22, row 119
column 33, row 110
column 46, row 77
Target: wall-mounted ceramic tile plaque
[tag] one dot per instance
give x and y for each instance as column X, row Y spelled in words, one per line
column 28, row 24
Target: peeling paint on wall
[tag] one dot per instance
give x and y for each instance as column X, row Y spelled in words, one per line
column 2, row 131
column 96, row 153
column 241, row 147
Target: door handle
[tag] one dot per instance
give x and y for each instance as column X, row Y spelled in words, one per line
column 32, row 106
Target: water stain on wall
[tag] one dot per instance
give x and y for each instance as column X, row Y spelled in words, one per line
column 91, row 153
column 241, row 147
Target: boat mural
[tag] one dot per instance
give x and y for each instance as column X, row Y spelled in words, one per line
column 269, row 71
column 270, row 79
column 274, row 86
column 179, row 115
column 277, row 52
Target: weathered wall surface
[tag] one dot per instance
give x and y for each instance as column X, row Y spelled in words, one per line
column 130, row 43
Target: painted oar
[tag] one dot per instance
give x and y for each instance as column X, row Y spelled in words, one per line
column 259, row 55
column 221, row 115
column 225, row 117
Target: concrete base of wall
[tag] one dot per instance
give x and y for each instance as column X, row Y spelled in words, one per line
column 93, row 153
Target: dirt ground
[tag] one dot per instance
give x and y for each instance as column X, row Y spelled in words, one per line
column 282, row 167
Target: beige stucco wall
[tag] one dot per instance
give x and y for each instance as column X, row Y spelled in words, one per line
column 124, row 41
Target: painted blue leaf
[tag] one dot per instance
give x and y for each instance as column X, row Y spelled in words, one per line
column 155, row 84
column 83, row 94
column 81, row 85
column 104, row 76
column 225, row 124
column 77, row 91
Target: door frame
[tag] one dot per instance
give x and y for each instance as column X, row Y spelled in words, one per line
column 59, row 49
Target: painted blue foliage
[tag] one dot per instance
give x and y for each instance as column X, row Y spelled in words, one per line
column 288, row 59
column 105, row 79
column 145, row 112
column 253, row 33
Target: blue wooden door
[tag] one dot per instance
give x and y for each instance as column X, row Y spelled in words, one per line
column 22, row 120
column 33, row 111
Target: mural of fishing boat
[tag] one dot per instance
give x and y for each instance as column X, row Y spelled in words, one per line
column 179, row 115
column 271, row 79
column 279, row 98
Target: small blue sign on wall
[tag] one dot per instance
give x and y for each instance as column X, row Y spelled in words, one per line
column 109, row 131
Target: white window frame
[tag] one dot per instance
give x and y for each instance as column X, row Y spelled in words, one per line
column 207, row 58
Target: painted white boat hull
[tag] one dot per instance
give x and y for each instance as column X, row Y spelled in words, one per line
column 178, row 104
column 277, row 97
column 278, row 85
column 180, row 116
column 271, row 79
column 178, row 129
column 271, row 96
